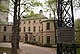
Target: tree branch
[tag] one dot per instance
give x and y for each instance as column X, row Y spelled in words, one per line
column 12, row 1
column 6, row 12
column 24, row 10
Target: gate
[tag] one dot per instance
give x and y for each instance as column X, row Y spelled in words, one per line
column 66, row 35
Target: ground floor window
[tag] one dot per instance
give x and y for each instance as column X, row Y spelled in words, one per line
column 19, row 38
column 42, row 39
column 39, row 39
column 34, row 39
column 4, row 38
column 48, row 39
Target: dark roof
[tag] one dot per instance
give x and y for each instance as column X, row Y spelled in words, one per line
column 47, row 20
column 7, row 24
column 34, row 17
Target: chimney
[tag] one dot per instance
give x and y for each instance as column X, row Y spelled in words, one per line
column 50, row 15
column 7, row 19
column 41, row 12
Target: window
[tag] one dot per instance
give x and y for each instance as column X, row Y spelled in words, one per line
column 4, row 38
column 34, row 39
column 42, row 39
column 48, row 26
column 24, row 22
column 29, row 22
column 29, row 29
column 34, row 21
column 39, row 39
column 48, row 39
column 4, row 28
column 24, row 29
column 39, row 20
column 39, row 28
column 19, row 29
column 34, row 28
column 19, row 38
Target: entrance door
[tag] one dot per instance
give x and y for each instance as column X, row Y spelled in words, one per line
column 26, row 38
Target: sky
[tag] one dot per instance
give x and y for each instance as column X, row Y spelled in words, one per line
column 76, row 13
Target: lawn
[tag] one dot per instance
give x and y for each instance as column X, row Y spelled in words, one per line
column 7, row 50
column 78, row 51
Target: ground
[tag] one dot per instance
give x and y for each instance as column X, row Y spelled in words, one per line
column 31, row 49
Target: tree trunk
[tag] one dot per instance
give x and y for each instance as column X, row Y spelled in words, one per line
column 18, row 22
column 14, row 28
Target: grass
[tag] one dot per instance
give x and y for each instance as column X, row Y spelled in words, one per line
column 78, row 51
column 3, row 49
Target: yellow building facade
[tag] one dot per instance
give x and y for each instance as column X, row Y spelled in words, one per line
column 5, row 32
column 37, row 29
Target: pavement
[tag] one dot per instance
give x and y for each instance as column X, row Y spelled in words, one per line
column 31, row 49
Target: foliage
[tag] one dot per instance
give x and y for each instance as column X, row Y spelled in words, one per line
column 78, row 51
column 2, row 8
column 47, row 45
column 76, row 4
column 77, row 29
column 29, row 6
column 51, row 5
column 0, row 21
column 5, row 49
column 31, row 13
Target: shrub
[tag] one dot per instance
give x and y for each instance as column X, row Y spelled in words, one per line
column 77, row 45
column 47, row 45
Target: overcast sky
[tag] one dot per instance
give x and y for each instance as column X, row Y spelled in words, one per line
column 76, row 13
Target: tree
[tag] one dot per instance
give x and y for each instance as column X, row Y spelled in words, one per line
column 16, row 20
column 52, row 7
column 76, row 4
column 15, row 7
column 77, row 29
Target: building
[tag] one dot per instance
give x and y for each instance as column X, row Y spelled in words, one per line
column 5, row 27
column 5, row 32
column 4, row 15
column 37, row 29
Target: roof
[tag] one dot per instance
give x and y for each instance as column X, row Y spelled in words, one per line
column 6, row 24
column 34, row 17
column 48, row 20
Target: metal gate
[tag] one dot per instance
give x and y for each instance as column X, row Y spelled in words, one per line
column 66, row 36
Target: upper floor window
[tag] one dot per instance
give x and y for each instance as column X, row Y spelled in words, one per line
column 24, row 29
column 29, row 29
column 39, row 20
column 29, row 22
column 48, row 26
column 24, row 22
column 5, row 28
column 34, row 21
column 34, row 28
